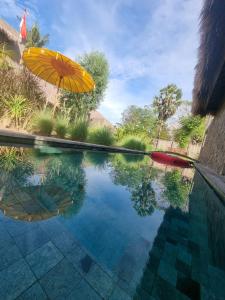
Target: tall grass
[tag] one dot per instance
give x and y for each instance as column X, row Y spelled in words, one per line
column 101, row 135
column 133, row 142
column 79, row 131
column 43, row 122
column 61, row 126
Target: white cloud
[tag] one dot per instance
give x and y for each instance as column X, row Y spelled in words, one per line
column 164, row 52
column 162, row 49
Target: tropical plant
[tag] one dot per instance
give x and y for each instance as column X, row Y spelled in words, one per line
column 192, row 129
column 34, row 38
column 79, row 130
column 16, row 108
column 43, row 122
column 166, row 104
column 101, row 135
column 20, row 82
column 79, row 105
column 133, row 142
column 61, row 126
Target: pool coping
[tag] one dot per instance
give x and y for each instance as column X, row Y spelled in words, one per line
column 12, row 138
column 215, row 181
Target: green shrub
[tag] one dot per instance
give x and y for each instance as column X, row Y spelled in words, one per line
column 101, row 135
column 97, row 159
column 43, row 123
column 133, row 142
column 79, row 131
column 61, row 126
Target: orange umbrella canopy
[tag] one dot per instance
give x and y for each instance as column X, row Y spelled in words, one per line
column 58, row 69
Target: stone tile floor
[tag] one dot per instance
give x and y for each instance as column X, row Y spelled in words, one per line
column 43, row 260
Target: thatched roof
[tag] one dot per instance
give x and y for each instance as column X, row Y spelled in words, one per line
column 10, row 36
column 97, row 119
column 209, row 84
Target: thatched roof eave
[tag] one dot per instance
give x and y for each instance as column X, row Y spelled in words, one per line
column 209, row 83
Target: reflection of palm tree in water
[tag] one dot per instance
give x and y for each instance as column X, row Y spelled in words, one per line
column 138, row 179
column 143, row 197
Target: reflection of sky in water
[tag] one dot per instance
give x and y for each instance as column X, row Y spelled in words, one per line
column 107, row 224
column 113, row 205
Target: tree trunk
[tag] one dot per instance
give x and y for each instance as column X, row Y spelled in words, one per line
column 158, row 136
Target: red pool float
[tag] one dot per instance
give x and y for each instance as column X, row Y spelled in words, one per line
column 170, row 160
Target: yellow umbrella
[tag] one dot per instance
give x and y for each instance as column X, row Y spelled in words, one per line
column 58, row 70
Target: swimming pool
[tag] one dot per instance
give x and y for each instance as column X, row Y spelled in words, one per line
column 88, row 225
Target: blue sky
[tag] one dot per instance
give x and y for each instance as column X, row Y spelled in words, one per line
column 148, row 43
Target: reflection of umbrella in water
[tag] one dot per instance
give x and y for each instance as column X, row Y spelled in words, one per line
column 58, row 70
column 34, row 203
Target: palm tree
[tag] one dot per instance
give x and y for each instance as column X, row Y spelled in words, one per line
column 34, row 38
column 166, row 104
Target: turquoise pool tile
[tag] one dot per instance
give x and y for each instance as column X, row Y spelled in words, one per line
column 100, row 281
column 142, row 295
column 216, row 281
column 35, row 292
column 127, row 267
column 15, row 279
column 9, row 255
column 120, row 294
column 31, row 240
column 167, row 272
column 147, row 281
column 184, row 256
column 44, row 259
column 52, row 227
column 65, row 242
column 127, row 287
column 76, row 256
column 5, row 238
column 16, row 228
column 163, row 290
column 84, row 291
column 61, row 280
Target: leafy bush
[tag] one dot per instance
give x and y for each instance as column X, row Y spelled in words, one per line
column 43, row 123
column 192, row 129
column 79, row 131
column 101, row 135
column 133, row 142
column 61, row 126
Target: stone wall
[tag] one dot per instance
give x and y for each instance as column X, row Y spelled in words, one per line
column 192, row 150
column 213, row 150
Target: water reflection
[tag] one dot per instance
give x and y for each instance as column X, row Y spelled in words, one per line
column 36, row 186
column 138, row 180
column 39, row 184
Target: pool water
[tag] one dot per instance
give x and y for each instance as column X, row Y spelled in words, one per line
column 88, row 225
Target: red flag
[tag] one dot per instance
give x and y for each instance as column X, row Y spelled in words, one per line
column 23, row 28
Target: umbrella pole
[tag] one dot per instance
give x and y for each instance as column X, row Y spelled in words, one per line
column 56, row 97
